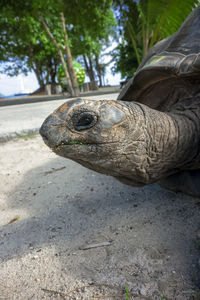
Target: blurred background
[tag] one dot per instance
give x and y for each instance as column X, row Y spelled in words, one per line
column 53, row 47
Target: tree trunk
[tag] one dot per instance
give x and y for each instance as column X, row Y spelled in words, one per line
column 34, row 67
column 70, row 88
column 69, row 59
column 90, row 72
column 47, row 75
column 53, row 77
column 38, row 76
column 98, row 67
column 93, row 83
column 89, row 68
column 86, row 64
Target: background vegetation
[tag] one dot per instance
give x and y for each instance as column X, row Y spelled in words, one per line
column 39, row 35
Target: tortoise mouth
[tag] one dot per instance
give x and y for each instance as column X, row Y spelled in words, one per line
column 70, row 145
column 65, row 144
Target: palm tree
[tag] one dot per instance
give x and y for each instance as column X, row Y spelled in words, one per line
column 155, row 20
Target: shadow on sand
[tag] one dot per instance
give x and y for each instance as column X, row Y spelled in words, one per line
column 151, row 231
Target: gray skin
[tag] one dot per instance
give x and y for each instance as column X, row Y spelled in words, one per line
column 152, row 132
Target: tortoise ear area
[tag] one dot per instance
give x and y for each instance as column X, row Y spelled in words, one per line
column 111, row 115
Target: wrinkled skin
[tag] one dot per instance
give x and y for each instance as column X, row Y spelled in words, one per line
column 130, row 141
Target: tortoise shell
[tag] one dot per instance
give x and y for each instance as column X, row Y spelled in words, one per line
column 170, row 71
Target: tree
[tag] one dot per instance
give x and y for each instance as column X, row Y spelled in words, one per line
column 145, row 22
column 125, row 60
column 87, row 34
column 73, row 89
column 24, row 47
column 88, row 40
column 125, row 56
column 60, row 21
column 58, row 36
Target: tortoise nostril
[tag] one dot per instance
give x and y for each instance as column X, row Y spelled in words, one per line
column 47, row 125
column 50, row 130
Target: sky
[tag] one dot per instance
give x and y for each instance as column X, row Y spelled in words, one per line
column 28, row 84
column 17, row 84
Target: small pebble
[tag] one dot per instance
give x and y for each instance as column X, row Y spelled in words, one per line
column 34, row 257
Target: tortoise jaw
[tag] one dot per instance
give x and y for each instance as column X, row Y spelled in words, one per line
column 79, row 143
column 72, row 144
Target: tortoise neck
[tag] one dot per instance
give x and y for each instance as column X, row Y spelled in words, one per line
column 186, row 118
column 172, row 140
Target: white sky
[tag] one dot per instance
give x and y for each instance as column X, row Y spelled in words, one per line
column 13, row 85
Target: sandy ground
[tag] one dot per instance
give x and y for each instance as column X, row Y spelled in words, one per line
column 69, row 233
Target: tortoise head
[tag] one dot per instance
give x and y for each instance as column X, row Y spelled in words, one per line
column 93, row 133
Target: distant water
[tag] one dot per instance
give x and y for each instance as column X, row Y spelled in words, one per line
column 14, row 96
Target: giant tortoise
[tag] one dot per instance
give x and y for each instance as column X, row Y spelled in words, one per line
column 151, row 133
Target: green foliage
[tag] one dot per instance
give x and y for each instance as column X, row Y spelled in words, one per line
column 144, row 23
column 127, row 293
column 92, row 30
column 25, row 43
column 159, row 21
column 27, row 136
column 125, row 60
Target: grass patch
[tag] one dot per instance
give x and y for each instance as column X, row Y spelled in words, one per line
column 127, row 296
column 75, row 143
column 27, row 136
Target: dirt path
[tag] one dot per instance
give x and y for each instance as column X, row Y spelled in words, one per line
column 52, row 210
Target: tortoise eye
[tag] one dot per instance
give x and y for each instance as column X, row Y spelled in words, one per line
column 84, row 120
